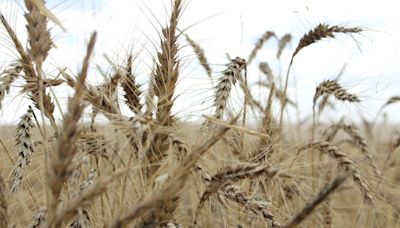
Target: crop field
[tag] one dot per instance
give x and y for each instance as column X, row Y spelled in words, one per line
column 118, row 154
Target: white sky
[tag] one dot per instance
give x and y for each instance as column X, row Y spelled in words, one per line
column 229, row 26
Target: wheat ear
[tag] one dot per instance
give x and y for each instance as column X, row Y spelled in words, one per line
column 39, row 219
column 233, row 174
column 264, row 38
column 7, row 77
column 345, row 162
column 166, row 76
column 200, row 54
column 285, row 40
column 167, row 69
column 362, row 144
column 234, row 193
column 25, row 149
column 131, row 89
column 39, row 46
column 224, row 86
column 38, row 34
column 332, row 87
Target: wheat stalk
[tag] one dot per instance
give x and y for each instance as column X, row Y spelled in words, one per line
column 311, row 205
column 60, row 166
column 266, row 147
column 326, row 211
column 3, row 205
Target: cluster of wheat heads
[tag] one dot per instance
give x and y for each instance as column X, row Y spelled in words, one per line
column 151, row 169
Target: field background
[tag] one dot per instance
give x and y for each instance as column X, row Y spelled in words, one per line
column 288, row 127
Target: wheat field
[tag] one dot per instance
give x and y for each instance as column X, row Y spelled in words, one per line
column 150, row 168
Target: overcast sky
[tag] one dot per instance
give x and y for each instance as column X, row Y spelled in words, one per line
column 229, row 26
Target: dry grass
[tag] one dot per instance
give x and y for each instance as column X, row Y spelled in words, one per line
column 149, row 168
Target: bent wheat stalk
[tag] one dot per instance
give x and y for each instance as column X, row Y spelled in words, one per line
column 319, row 32
column 60, row 162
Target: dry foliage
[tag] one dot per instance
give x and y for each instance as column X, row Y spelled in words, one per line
column 149, row 168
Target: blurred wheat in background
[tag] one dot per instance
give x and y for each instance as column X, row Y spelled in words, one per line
column 117, row 154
